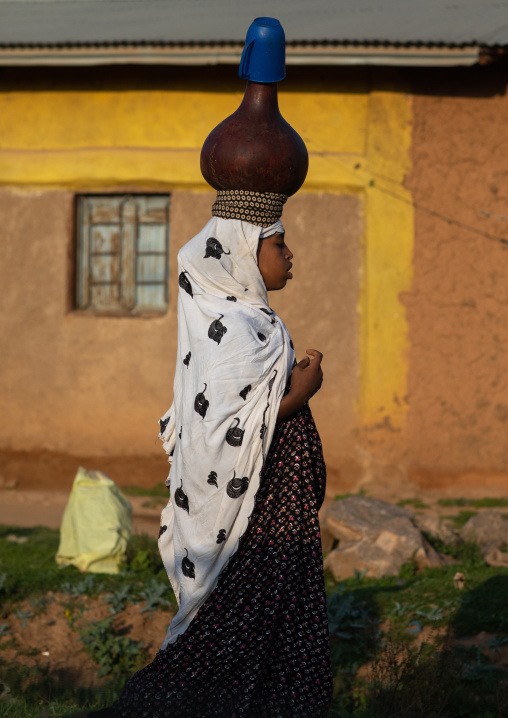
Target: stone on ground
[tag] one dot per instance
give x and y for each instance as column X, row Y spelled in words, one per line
column 490, row 531
column 434, row 526
column 374, row 536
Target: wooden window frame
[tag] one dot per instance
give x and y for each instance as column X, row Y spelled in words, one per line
column 127, row 279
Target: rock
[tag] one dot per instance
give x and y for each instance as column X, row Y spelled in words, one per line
column 327, row 539
column 374, row 536
column 496, row 557
column 490, row 531
column 433, row 526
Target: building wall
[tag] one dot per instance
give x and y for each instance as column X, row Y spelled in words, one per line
column 458, row 305
column 456, row 426
column 83, row 384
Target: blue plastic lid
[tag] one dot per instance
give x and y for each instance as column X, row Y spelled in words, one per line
column 264, row 55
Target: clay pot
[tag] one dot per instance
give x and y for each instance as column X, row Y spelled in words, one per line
column 255, row 149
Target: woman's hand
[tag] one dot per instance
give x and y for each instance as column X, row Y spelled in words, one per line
column 306, row 380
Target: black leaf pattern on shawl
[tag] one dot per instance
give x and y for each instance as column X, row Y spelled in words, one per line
column 234, row 435
column 163, row 424
column 267, row 311
column 231, row 299
column 245, row 391
column 237, row 486
column 212, row 479
column 270, row 383
column 184, row 283
column 216, row 330
column 291, row 344
column 188, row 566
column 221, row 536
column 201, row 404
column 181, row 498
column 187, row 359
column 162, row 530
column 263, row 429
column 261, row 337
column 214, row 249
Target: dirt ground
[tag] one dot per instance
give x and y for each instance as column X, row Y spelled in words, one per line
column 34, row 491
column 51, row 640
column 34, row 488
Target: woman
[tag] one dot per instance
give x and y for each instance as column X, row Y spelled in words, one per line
column 240, row 537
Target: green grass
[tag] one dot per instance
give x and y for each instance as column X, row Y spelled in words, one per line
column 457, row 522
column 30, row 570
column 159, row 489
column 31, row 693
column 415, row 503
column 475, row 503
column 357, row 608
column 437, row 680
column 339, row 497
column 157, row 502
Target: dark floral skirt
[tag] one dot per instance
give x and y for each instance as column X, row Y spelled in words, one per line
column 258, row 647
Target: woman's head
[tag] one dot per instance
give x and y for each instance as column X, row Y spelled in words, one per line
column 274, row 261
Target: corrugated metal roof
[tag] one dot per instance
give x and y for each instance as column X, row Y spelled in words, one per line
column 104, row 22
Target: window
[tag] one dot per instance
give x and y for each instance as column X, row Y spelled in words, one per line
column 122, row 253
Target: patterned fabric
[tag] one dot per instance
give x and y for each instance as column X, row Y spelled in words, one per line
column 233, row 361
column 262, row 209
column 258, row 648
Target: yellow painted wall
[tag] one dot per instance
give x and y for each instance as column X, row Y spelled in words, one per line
column 358, row 144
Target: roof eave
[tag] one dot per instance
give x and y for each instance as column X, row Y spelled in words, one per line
column 229, row 54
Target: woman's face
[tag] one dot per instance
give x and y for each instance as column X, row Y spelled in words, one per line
column 274, row 261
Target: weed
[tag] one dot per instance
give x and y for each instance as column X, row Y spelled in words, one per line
column 339, row 497
column 24, row 616
column 432, row 681
column 142, row 556
column 73, row 611
column 484, row 606
column 40, row 604
column 114, row 654
column 159, row 489
column 496, row 642
column 34, row 692
column 31, row 651
column 156, row 503
column 408, row 570
column 119, row 599
column 352, row 634
column 360, row 575
column 467, row 552
column 433, row 614
column 453, row 502
column 475, row 503
column 461, row 519
column 153, row 595
column 82, row 588
column 4, row 630
column 415, row 503
column 399, row 610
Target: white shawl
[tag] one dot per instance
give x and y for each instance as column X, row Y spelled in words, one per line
column 233, row 361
